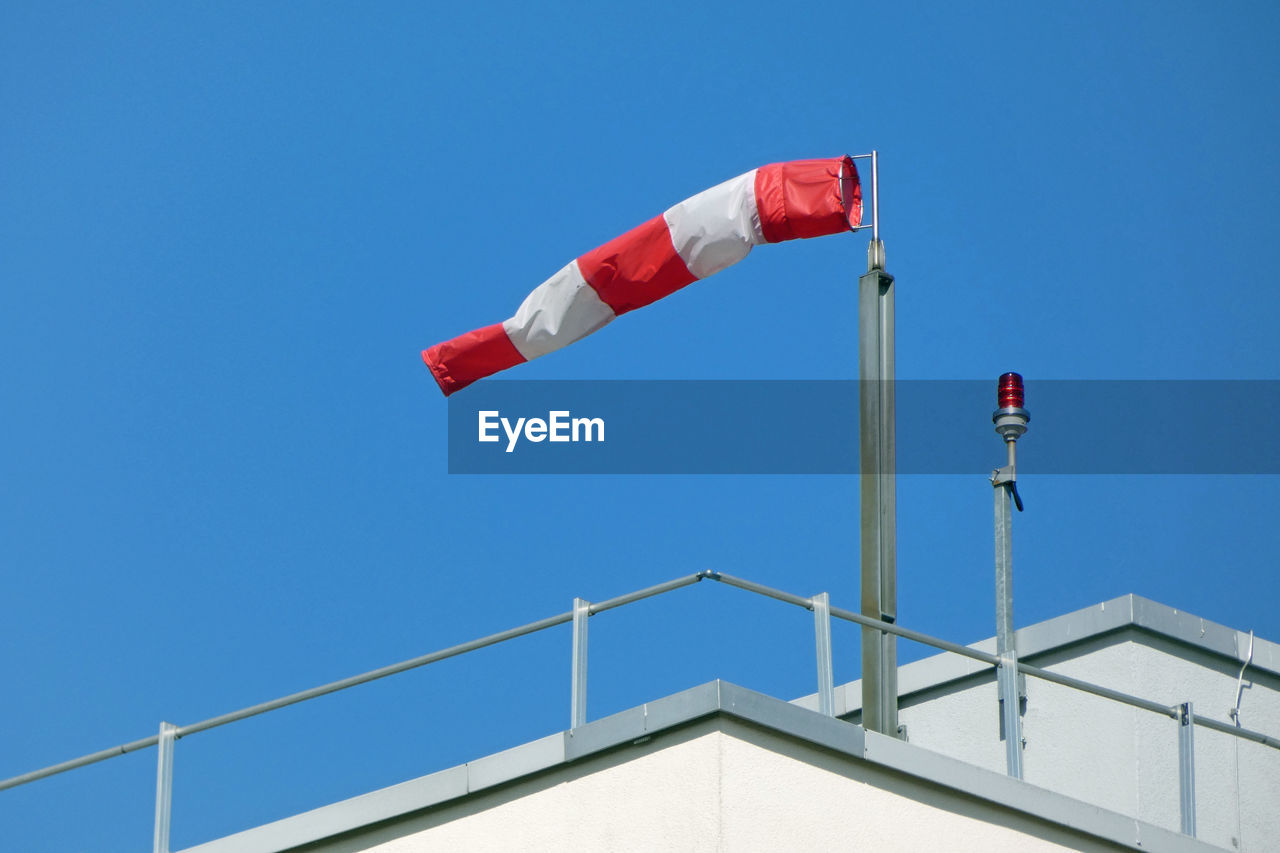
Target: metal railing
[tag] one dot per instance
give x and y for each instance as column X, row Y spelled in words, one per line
column 823, row 612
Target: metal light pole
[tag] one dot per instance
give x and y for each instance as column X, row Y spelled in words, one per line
column 1011, row 420
column 878, row 480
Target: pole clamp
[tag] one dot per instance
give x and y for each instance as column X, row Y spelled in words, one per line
column 1006, row 476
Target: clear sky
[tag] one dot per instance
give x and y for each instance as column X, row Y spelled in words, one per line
column 228, row 229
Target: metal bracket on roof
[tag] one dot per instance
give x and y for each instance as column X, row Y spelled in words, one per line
column 164, row 787
column 1187, row 768
column 822, row 639
column 578, row 689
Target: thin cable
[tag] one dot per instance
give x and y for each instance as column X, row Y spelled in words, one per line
column 1235, row 716
column 1235, row 712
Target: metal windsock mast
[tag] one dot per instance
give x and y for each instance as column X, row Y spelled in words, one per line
column 1011, row 420
column 877, row 463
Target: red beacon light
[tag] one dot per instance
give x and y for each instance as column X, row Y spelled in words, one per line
column 1009, row 394
column 1010, row 417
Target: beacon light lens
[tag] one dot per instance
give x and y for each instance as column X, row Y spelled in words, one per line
column 1009, row 394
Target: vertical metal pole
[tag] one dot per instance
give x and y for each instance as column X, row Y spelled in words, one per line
column 1187, row 768
column 1006, row 647
column 877, row 420
column 578, row 692
column 164, row 788
column 822, row 637
column 875, row 198
column 1010, row 421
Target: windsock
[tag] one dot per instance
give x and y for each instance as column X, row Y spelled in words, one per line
column 690, row 241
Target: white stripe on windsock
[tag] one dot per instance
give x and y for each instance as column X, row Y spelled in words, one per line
column 717, row 227
column 710, row 231
column 561, row 310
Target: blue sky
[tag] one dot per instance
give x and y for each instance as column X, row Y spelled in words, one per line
column 229, row 229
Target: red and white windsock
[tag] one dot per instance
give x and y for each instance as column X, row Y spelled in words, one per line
column 695, row 238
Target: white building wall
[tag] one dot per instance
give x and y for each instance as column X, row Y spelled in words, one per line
column 722, row 786
column 771, row 801
column 1120, row 757
column 664, row 799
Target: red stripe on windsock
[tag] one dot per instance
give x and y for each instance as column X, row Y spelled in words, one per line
column 808, row 198
column 637, row 268
column 459, row 362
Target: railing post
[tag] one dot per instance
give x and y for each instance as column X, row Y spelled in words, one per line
column 578, row 692
column 164, row 787
column 822, row 637
column 1187, row 768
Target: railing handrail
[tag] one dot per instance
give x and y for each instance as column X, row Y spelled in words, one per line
column 1171, row 711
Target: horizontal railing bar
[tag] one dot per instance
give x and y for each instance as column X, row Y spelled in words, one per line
column 294, row 698
column 989, row 659
column 92, row 758
column 1170, row 711
column 908, row 634
column 1097, row 690
column 1229, row 729
column 608, row 604
column 994, row 660
column 638, row 595
column 752, row 586
column 375, row 674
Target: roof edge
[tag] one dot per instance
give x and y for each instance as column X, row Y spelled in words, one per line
column 716, row 698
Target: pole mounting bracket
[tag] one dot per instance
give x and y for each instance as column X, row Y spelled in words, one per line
column 1007, row 476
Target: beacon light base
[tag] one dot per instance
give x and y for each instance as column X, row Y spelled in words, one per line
column 1011, row 422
